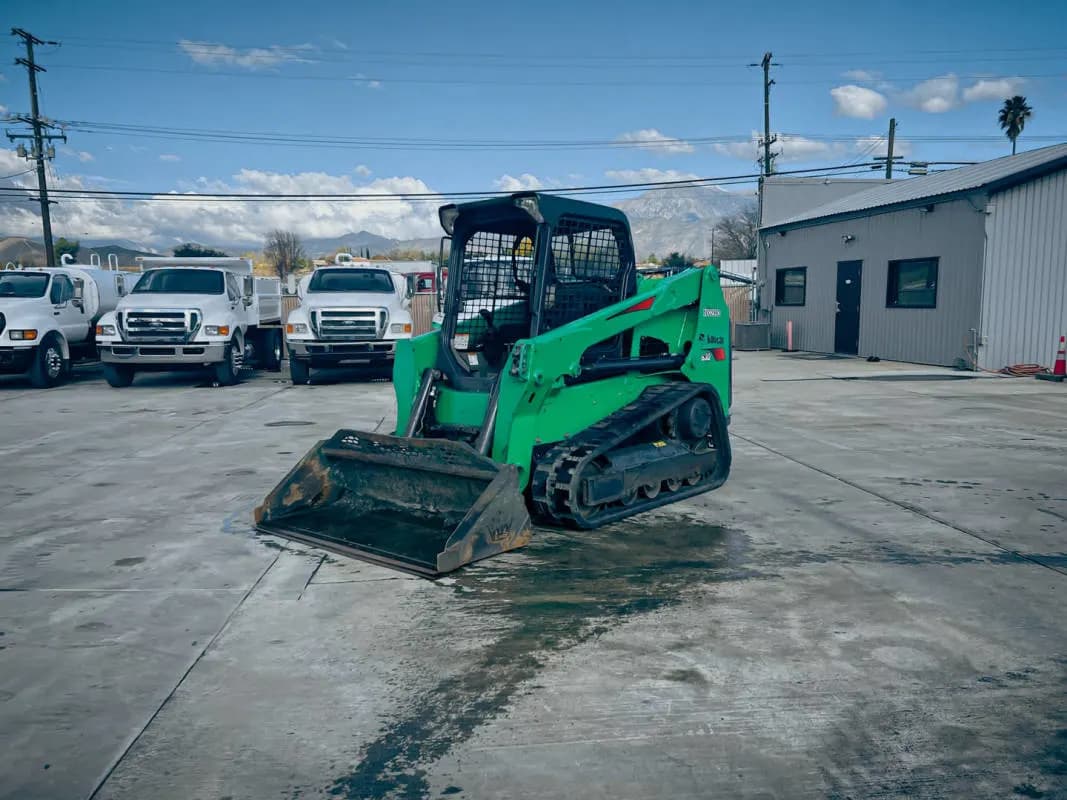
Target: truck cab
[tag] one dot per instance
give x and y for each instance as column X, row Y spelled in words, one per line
column 193, row 313
column 48, row 316
column 348, row 315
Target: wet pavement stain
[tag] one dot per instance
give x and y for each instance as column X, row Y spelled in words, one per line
column 579, row 586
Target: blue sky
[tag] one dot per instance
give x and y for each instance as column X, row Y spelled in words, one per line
column 672, row 75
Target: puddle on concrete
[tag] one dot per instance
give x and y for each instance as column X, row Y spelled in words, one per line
column 565, row 590
column 287, row 423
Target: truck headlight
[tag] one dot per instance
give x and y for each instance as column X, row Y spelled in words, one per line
column 24, row 335
column 400, row 327
column 105, row 330
column 296, row 327
column 217, row 330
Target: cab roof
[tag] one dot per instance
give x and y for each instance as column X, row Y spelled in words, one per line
column 551, row 206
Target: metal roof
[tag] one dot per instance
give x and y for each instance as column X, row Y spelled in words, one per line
column 986, row 175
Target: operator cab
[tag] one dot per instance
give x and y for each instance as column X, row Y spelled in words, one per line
column 521, row 266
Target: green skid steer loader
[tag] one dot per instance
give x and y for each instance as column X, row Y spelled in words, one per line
column 559, row 385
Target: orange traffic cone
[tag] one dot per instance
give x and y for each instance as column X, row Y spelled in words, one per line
column 1059, row 369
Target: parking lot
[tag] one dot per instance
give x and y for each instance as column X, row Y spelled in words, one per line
column 874, row 606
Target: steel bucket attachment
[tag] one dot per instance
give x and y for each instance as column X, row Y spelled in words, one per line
column 426, row 506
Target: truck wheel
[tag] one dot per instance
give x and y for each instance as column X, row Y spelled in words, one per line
column 118, row 375
column 48, row 368
column 228, row 371
column 272, row 350
column 299, row 371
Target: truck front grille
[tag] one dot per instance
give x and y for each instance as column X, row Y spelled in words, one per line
column 349, row 324
column 158, row 325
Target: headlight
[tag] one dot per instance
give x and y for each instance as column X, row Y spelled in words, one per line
column 217, row 330
column 27, row 335
column 296, row 327
column 400, row 327
column 105, row 330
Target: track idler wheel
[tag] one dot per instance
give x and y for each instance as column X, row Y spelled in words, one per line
column 694, row 420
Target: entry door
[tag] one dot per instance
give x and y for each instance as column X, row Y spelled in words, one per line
column 70, row 319
column 847, row 327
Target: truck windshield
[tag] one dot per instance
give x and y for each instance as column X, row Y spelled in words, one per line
column 351, row 280
column 23, row 284
column 181, row 281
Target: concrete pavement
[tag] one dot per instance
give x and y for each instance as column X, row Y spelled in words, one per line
column 871, row 607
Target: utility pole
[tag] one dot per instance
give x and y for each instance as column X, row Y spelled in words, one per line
column 889, row 153
column 39, row 137
column 767, row 159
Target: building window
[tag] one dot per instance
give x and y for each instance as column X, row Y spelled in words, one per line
column 912, row 283
column 790, row 286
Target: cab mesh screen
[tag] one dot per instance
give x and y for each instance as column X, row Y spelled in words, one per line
column 494, row 294
column 587, row 270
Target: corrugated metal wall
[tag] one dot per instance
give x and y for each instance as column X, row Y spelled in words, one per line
column 953, row 232
column 423, row 307
column 1024, row 298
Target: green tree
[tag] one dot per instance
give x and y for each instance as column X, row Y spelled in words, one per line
column 191, row 250
column 63, row 247
column 678, row 260
column 1013, row 116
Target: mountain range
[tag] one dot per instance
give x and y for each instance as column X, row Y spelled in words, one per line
column 662, row 221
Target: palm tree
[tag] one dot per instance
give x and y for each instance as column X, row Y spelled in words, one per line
column 1013, row 116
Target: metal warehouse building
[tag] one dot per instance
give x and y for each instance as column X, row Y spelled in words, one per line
column 927, row 270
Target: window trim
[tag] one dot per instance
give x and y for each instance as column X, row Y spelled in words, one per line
column 892, row 277
column 779, row 287
column 63, row 283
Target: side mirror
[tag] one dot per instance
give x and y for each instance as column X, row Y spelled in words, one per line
column 78, row 299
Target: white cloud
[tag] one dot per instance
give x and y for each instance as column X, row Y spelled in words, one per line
column 936, row 95
column 362, row 170
column 652, row 139
column 3, row 109
column 213, row 54
column 523, row 183
column 992, row 89
column 788, row 147
column 649, row 175
column 81, row 155
column 160, row 224
column 858, row 101
column 862, row 75
column 362, row 80
column 872, row 146
column 169, row 157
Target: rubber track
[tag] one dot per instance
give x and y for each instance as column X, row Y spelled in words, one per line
column 557, row 477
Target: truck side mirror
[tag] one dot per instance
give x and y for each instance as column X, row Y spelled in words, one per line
column 249, row 289
column 78, row 299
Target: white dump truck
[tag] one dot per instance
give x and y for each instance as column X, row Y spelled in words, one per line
column 48, row 316
column 193, row 313
column 348, row 315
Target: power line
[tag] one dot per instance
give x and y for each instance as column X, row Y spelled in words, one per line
column 371, row 79
column 416, row 143
column 538, row 57
column 435, row 196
